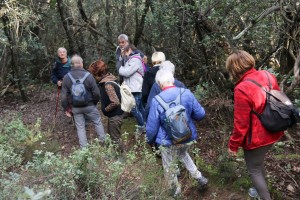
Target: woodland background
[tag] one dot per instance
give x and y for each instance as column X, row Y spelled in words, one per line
column 197, row 36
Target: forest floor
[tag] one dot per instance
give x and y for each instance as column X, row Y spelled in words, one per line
column 226, row 179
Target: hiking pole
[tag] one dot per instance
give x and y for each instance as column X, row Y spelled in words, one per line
column 57, row 99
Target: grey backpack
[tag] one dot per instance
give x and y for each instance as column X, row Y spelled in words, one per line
column 79, row 94
column 174, row 120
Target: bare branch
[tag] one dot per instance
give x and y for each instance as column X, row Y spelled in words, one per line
column 282, row 12
column 296, row 80
column 253, row 22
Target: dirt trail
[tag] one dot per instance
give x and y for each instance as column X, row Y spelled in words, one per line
column 63, row 138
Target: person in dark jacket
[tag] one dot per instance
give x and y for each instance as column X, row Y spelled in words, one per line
column 88, row 111
column 155, row 90
column 110, row 100
column 149, row 77
column 156, row 134
column 248, row 131
column 61, row 66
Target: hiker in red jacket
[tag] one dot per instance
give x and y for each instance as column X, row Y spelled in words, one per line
column 248, row 131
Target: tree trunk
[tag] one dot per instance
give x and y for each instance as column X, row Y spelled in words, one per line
column 140, row 26
column 4, row 66
column 14, row 57
column 67, row 23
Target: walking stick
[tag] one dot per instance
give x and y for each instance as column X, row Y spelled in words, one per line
column 57, row 99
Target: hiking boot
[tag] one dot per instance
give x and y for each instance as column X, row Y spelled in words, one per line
column 139, row 130
column 177, row 193
column 203, row 183
column 252, row 192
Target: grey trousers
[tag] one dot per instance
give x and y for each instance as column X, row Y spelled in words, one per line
column 90, row 113
column 170, row 156
column 255, row 164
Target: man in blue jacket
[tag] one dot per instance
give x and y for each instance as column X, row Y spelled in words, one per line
column 61, row 66
column 156, row 134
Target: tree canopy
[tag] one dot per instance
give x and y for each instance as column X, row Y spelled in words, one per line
column 196, row 35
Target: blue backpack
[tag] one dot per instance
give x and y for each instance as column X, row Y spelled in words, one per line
column 175, row 120
column 79, row 94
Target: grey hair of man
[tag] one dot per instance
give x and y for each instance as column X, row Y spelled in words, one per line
column 167, row 65
column 62, row 49
column 123, row 36
column 164, row 78
column 77, row 61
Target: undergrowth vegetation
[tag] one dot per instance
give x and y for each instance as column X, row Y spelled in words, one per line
column 96, row 172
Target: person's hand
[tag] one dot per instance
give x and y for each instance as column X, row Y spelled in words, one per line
column 232, row 153
column 68, row 114
column 59, row 83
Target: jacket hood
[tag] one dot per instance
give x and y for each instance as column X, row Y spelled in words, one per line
column 153, row 70
column 68, row 64
column 108, row 77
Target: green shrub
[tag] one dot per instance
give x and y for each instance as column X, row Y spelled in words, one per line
column 8, row 158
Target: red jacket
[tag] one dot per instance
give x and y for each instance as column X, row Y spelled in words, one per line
column 249, row 96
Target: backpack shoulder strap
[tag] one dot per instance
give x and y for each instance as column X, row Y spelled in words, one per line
column 113, row 82
column 162, row 102
column 256, row 83
column 84, row 77
column 138, row 57
column 177, row 101
column 141, row 59
column 71, row 77
column 270, row 84
column 165, row 105
column 182, row 90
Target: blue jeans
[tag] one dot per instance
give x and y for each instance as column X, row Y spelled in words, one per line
column 138, row 111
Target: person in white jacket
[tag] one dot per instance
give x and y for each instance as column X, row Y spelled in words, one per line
column 133, row 73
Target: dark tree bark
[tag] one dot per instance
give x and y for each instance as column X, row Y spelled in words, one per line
column 4, row 66
column 107, row 13
column 14, row 57
column 123, row 15
column 205, row 26
column 92, row 28
column 140, row 26
column 67, row 23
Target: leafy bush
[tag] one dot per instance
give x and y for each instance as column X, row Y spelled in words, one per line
column 95, row 172
column 17, row 135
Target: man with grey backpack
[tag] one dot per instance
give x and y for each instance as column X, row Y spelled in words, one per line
column 80, row 89
column 170, row 125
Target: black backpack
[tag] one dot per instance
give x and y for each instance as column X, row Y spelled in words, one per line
column 78, row 90
column 279, row 112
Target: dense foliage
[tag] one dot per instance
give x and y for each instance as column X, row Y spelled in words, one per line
column 196, row 35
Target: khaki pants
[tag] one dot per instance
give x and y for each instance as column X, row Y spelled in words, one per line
column 170, row 156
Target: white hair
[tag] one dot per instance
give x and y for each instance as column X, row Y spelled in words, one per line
column 62, row 49
column 158, row 56
column 123, row 36
column 77, row 61
column 167, row 65
column 164, row 77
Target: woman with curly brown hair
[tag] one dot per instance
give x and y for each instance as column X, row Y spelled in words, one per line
column 110, row 100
